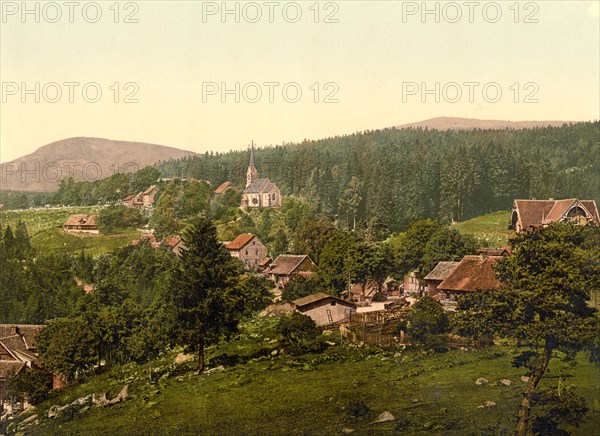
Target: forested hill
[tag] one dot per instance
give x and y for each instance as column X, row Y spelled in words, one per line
column 408, row 174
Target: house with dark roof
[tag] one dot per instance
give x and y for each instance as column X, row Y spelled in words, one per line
column 224, row 187
column 286, row 266
column 324, row 309
column 527, row 214
column 248, row 249
column 81, row 224
column 472, row 274
column 259, row 192
column 17, row 351
column 437, row 276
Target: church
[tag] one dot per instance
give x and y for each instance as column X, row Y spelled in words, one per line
column 259, row 192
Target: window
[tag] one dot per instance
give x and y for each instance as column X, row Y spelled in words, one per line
column 246, row 252
column 333, row 303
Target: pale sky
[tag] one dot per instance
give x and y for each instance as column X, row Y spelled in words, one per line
column 374, row 60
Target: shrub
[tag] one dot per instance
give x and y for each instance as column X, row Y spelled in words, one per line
column 300, row 334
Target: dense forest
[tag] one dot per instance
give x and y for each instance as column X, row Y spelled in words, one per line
column 393, row 176
column 398, row 176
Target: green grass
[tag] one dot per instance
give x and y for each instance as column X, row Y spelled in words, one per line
column 490, row 229
column 45, row 231
column 310, row 394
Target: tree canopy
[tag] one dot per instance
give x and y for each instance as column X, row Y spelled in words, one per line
column 544, row 306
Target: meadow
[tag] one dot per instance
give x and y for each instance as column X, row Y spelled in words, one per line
column 47, row 235
column 345, row 387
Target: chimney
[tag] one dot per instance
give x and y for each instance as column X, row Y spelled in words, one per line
column 14, row 330
column 551, row 199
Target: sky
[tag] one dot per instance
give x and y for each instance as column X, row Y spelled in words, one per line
column 213, row 76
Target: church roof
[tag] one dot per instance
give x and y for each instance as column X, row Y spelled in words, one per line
column 259, row 185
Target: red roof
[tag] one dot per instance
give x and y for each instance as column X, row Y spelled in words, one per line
column 472, row 273
column 172, row 242
column 223, row 187
column 534, row 213
column 239, row 242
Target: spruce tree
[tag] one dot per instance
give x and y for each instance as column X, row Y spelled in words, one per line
column 205, row 294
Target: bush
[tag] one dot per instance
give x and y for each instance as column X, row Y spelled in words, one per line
column 427, row 319
column 300, row 334
column 31, row 385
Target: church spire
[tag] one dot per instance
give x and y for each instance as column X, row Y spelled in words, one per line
column 252, row 163
column 252, row 172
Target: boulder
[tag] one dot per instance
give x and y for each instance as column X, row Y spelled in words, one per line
column 182, row 358
column 487, row 405
column 274, row 353
column 347, row 430
column 525, row 379
column 215, row 370
column 121, row 396
column 506, row 382
column 481, row 381
column 385, row 417
column 54, row 411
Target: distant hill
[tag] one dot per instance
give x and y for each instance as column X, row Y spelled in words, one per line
column 455, row 123
column 84, row 159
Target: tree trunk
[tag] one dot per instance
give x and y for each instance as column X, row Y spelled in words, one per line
column 534, row 380
column 200, row 352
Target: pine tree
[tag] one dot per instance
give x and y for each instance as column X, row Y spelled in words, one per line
column 205, row 294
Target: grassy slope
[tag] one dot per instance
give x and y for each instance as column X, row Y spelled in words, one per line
column 490, row 229
column 309, row 394
column 45, row 231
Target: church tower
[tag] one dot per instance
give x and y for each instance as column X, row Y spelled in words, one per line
column 252, row 172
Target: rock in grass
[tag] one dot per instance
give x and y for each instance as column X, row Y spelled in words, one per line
column 524, row 379
column 506, row 382
column 385, row 417
column 347, row 430
column 182, row 358
column 481, row 380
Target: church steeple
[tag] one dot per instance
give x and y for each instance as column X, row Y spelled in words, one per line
column 252, row 172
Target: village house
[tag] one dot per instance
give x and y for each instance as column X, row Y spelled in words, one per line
column 412, row 285
column 17, row 352
column 248, row 249
column 286, row 266
column 528, row 214
column 81, row 224
column 472, row 274
column 143, row 200
column 325, row 309
column 224, row 187
column 264, row 263
column 502, row 251
column 437, row 276
column 175, row 244
column 259, row 193
column 389, row 288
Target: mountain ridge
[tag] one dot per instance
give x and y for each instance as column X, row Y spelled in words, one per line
column 83, row 158
column 459, row 123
